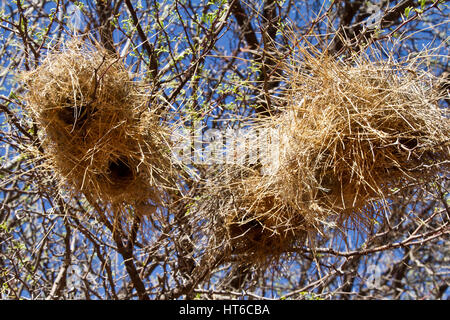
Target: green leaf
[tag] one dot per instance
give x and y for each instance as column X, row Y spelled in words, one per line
column 407, row 11
column 12, row 95
column 4, row 227
column 422, row 3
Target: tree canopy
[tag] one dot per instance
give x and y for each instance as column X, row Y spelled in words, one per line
column 212, row 64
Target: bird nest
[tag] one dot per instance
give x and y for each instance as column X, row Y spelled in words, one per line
column 353, row 133
column 98, row 132
column 349, row 135
column 244, row 221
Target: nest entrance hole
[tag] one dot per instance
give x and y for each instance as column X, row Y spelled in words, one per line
column 75, row 114
column 252, row 227
column 409, row 143
column 120, row 171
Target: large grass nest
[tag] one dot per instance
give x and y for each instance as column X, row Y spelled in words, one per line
column 244, row 221
column 355, row 132
column 349, row 136
column 99, row 133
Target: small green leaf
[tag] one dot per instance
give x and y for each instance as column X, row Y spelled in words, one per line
column 12, row 95
column 422, row 4
column 407, row 11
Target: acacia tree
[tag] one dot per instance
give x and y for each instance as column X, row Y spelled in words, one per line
column 207, row 59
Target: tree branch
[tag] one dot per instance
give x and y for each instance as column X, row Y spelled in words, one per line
column 244, row 24
column 145, row 42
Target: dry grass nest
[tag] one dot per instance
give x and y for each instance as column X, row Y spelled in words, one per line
column 99, row 134
column 348, row 137
column 243, row 221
